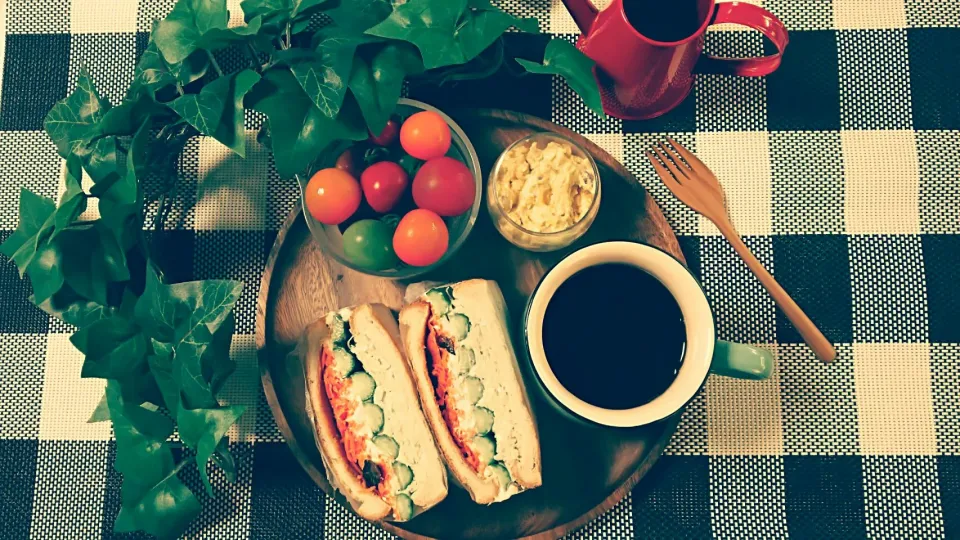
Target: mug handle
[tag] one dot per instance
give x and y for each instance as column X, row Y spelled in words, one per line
column 753, row 17
column 741, row 361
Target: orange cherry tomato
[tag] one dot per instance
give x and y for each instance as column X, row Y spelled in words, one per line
column 332, row 196
column 425, row 135
column 421, row 238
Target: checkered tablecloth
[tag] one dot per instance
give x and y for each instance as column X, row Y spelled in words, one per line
column 842, row 169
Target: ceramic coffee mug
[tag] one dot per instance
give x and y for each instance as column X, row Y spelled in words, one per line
column 703, row 354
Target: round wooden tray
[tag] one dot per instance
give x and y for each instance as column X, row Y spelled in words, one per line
column 586, row 470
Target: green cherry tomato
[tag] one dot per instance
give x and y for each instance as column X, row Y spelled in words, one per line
column 368, row 243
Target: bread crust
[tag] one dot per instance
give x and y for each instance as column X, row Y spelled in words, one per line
column 413, row 330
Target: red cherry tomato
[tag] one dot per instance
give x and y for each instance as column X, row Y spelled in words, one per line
column 347, row 163
column 383, row 184
column 445, row 186
column 425, row 135
column 332, row 196
column 388, row 136
column 421, row 238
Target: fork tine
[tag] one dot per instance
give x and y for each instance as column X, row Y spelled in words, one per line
column 670, row 165
column 668, row 179
column 675, row 158
column 687, row 155
column 662, row 171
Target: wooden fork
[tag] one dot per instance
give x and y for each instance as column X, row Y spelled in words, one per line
column 697, row 187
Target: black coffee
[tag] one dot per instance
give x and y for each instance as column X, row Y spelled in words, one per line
column 614, row 336
column 665, row 20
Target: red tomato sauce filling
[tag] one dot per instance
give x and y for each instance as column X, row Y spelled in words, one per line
column 354, row 446
column 438, row 364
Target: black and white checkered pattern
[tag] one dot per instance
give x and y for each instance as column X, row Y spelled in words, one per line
column 842, row 169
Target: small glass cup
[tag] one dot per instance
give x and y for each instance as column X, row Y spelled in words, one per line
column 519, row 235
column 331, row 239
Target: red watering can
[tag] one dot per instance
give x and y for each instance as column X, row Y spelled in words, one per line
column 647, row 51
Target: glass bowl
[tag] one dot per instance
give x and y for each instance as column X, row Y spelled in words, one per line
column 519, row 235
column 330, row 237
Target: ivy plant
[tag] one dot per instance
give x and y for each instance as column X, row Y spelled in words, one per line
column 323, row 73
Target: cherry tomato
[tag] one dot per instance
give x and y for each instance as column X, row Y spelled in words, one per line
column 425, row 135
column 421, row 238
column 383, row 184
column 445, row 186
column 332, row 196
column 367, row 244
column 347, row 163
column 388, row 136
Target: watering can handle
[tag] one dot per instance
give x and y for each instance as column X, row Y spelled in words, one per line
column 583, row 13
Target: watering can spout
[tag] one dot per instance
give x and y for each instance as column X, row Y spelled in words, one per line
column 583, row 13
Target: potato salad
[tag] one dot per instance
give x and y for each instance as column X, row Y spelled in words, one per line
column 545, row 189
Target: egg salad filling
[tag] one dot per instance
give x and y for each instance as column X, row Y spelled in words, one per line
column 545, row 189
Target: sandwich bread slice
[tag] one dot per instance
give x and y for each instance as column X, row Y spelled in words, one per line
column 458, row 344
column 375, row 443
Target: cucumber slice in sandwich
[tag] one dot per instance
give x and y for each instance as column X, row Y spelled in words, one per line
column 388, row 445
column 472, row 389
column 338, row 330
column 439, row 300
column 404, row 474
column 372, row 417
column 459, row 325
column 485, row 449
column 465, row 359
column 362, row 386
column 404, row 507
column 483, row 419
column 500, row 473
column 343, row 361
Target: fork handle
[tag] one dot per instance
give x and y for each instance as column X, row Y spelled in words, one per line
column 807, row 329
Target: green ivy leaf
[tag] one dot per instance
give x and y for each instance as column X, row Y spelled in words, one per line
column 113, row 348
column 324, row 73
column 154, row 500
column 72, row 121
column 299, row 131
column 46, row 272
column 275, row 14
column 563, row 59
column 217, row 110
column 359, row 15
column 161, row 367
column 73, row 201
column 428, row 24
column 198, row 24
column 376, row 84
column 203, row 429
column 101, row 413
column 36, row 218
column 230, row 132
column 479, row 30
column 71, row 308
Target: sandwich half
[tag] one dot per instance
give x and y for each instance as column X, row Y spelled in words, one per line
column 458, row 345
column 372, row 435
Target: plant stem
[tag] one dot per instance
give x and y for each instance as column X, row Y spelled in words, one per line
column 254, row 57
column 180, row 88
column 213, row 62
column 287, row 33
